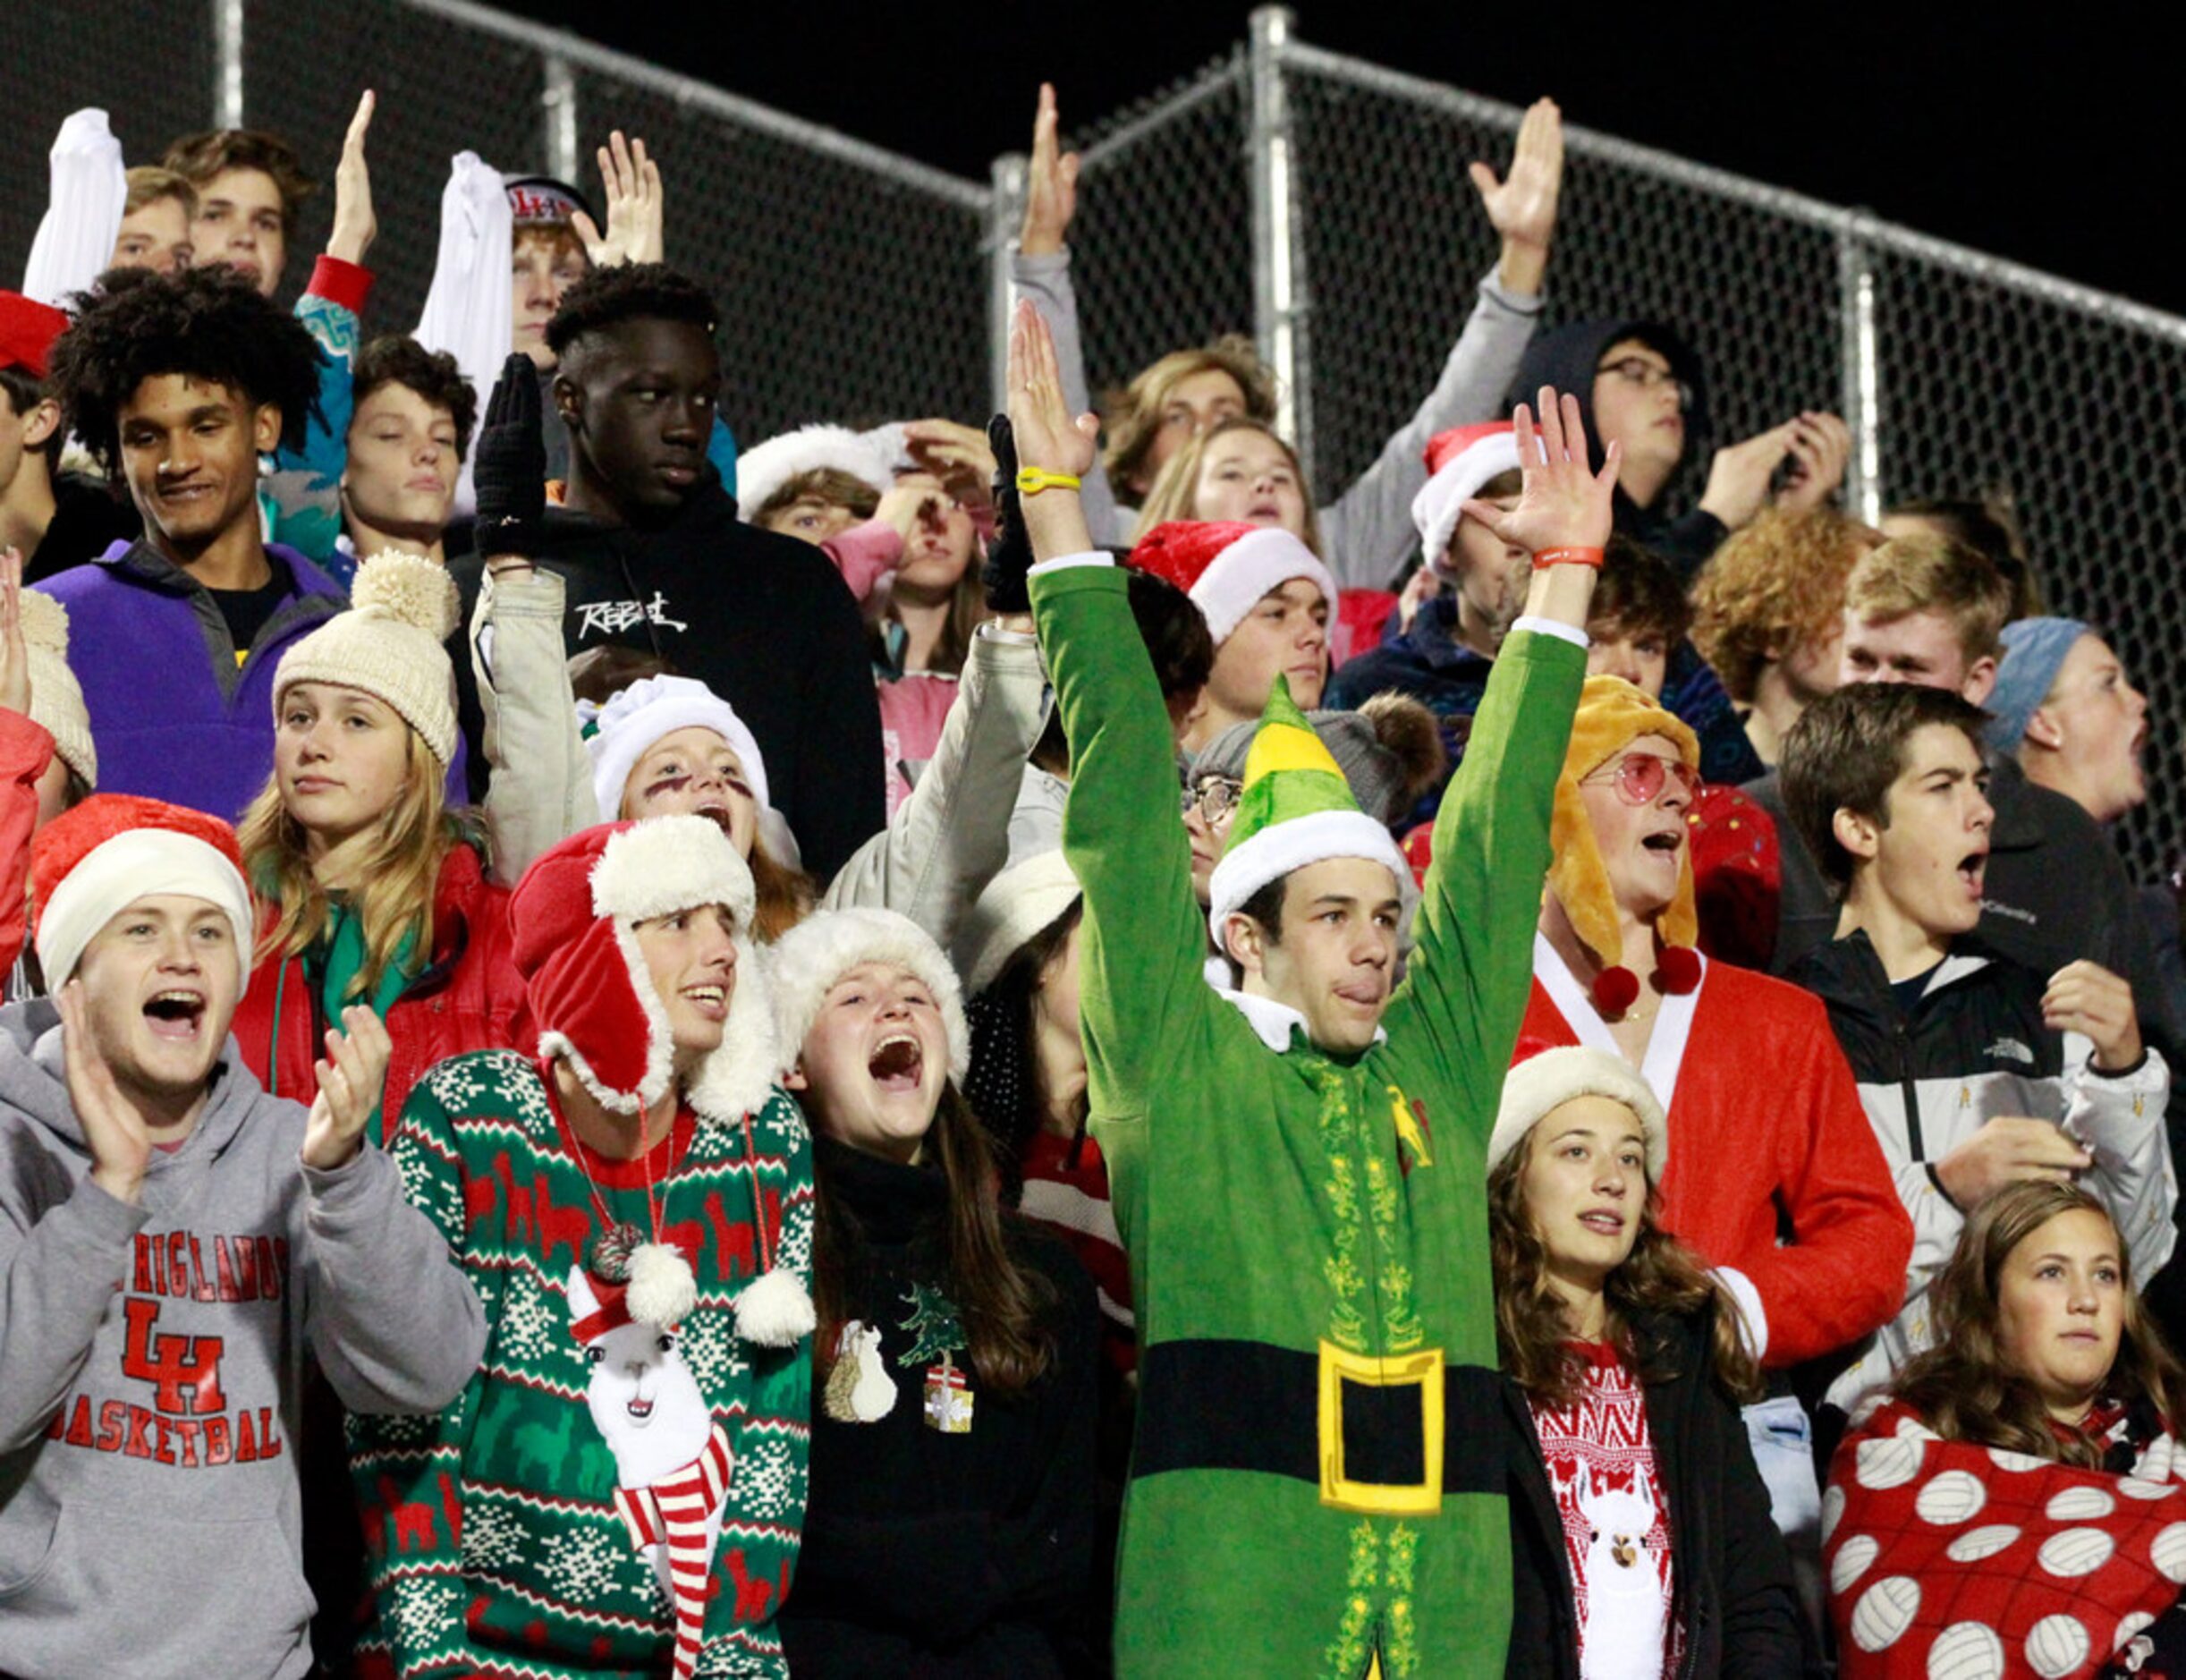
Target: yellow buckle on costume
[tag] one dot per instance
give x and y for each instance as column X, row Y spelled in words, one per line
column 1423, row 1371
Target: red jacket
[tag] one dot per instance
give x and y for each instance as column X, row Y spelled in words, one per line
column 467, row 999
column 1766, row 1130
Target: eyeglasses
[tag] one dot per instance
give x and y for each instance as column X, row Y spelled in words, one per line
column 1215, row 798
column 1639, row 372
column 1638, row 777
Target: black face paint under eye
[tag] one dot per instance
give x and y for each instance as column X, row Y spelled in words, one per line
column 668, row 785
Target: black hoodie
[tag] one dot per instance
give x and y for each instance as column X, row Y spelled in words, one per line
column 1568, row 358
column 763, row 620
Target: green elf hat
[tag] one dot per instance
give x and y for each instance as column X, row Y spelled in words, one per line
column 1296, row 809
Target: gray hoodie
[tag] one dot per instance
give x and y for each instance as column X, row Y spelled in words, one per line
column 152, row 1362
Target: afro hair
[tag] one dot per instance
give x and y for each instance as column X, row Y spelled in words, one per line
column 629, row 292
column 208, row 324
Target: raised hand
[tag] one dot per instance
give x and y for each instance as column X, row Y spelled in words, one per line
column 121, row 1145
column 2088, row 999
column 351, row 1080
column 1821, row 449
column 2005, row 1150
column 1048, row 439
column 1566, row 503
column 1009, row 557
column 636, row 226
column 909, row 504
column 1521, row 207
column 355, row 226
column 15, row 657
column 1738, row 478
column 508, row 464
column 955, row 454
column 1051, row 185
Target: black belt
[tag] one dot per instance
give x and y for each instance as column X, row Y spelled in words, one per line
column 1364, row 1430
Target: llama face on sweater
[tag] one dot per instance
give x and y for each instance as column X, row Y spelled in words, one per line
column 643, row 1399
column 1625, row 1608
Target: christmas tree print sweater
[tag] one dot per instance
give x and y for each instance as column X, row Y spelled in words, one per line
column 1318, row 1478
column 498, row 1544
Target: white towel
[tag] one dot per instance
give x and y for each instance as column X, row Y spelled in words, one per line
column 466, row 311
column 83, row 214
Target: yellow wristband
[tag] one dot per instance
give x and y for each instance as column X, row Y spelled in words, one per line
column 1032, row 480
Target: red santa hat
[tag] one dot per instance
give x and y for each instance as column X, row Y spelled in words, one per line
column 27, row 330
column 1543, row 1078
column 574, row 915
column 90, row 863
column 1226, row 565
column 1459, row 461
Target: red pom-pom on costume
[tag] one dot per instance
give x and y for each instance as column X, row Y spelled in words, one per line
column 1419, row 851
column 1615, row 990
column 1677, row 969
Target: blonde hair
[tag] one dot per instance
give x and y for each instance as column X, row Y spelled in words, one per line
column 1175, row 493
column 399, row 877
column 1138, row 412
column 1777, row 585
column 1924, row 573
column 149, row 184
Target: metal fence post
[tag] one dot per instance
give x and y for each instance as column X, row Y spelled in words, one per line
column 1863, row 474
column 558, row 112
column 1278, row 266
column 1004, row 210
column 228, row 63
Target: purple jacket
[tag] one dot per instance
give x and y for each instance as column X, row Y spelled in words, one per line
column 173, row 714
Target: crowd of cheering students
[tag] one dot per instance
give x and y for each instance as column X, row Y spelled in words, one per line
column 932, row 1049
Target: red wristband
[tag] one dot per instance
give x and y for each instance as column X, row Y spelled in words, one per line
column 1543, row 558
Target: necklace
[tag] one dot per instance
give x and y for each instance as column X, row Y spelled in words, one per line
column 608, row 1254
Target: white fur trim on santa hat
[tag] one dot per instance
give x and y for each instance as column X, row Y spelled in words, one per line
column 811, row 957
column 137, row 863
column 665, row 864
column 765, row 468
column 738, row 1077
column 1236, row 577
column 1281, row 847
column 628, row 725
column 1541, row 1083
column 1441, row 501
column 1017, row 904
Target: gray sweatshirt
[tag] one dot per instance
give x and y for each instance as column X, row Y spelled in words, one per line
column 152, row 1362
column 1367, row 533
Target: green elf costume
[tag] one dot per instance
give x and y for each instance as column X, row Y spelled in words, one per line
column 1316, row 1486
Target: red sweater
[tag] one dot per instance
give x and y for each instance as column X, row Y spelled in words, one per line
column 468, row 999
column 1764, row 1126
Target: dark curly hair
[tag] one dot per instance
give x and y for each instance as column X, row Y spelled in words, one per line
column 209, row 324
column 401, row 360
column 629, row 292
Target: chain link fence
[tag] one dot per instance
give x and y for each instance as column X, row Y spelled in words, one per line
column 1317, row 201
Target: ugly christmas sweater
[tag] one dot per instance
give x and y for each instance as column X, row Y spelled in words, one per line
column 1318, row 1484
column 953, row 1532
column 502, row 1539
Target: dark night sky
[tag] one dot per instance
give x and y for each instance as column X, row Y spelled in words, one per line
column 2057, row 147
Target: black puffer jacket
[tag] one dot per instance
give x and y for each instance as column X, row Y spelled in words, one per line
column 1732, row 1579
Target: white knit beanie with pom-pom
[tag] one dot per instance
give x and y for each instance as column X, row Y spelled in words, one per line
column 56, row 698
column 403, row 607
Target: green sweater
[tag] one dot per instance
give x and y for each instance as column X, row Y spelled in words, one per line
column 1316, row 1485
column 495, row 1542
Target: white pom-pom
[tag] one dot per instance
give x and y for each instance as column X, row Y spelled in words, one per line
column 662, row 1290
column 774, row 1310
column 409, row 588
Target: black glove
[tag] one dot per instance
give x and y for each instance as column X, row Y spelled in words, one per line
column 1009, row 557
column 509, row 465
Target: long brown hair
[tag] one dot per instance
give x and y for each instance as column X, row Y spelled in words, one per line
column 1659, row 1277
column 1962, row 1386
column 1175, row 492
column 397, row 884
column 967, row 612
column 1002, row 1305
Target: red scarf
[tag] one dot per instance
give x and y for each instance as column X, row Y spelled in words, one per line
column 674, row 1509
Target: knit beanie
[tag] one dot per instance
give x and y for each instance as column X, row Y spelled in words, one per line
column 588, row 990
column 89, row 864
column 1225, row 567
column 624, row 730
column 765, row 469
column 543, row 201
column 811, row 957
column 1543, row 1080
column 56, row 699
column 1386, row 750
column 1296, row 809
column 1018, row 904
column 388, row 645
column 2034, row 651
column 1612, row 715
column 1458, row 462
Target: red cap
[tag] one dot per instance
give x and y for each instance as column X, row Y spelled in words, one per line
column 27, row 332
